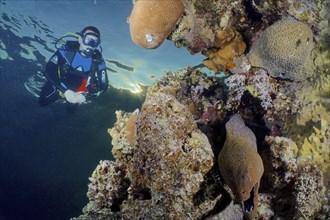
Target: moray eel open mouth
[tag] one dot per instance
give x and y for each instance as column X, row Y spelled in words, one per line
column 248, row 205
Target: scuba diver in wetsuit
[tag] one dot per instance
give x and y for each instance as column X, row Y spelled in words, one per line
column 76, row 71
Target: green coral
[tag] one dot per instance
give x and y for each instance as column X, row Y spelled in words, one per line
column 315, row 148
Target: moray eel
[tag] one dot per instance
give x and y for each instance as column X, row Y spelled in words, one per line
column 241, row 165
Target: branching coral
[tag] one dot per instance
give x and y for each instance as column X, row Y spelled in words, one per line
column 236, row 89
column 315, row 148
column 264, row 89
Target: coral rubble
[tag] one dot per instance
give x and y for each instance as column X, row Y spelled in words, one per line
column 273, row 102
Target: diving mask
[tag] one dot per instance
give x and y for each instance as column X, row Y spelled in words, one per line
column 91, row 40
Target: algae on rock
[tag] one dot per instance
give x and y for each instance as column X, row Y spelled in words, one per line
column 165, row 153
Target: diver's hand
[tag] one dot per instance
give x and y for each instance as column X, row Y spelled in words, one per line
column 74, row 97
column 80, row 97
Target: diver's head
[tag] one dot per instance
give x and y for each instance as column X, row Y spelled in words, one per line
column 89, row 40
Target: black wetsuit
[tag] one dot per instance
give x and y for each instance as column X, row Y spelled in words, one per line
column 68, row 69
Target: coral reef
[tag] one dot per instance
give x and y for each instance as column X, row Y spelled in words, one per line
column 284, row 160
column 204, row 19
column 305, row 10
column 122, row 135
column 309, row 192
column 164, row 160
column 240, row 164
column 301, row 181
column 169, row 162
column 152, row 21
column 275, row 97
column 163, row 165
column 106, row 190
column 236, row 88
column 284, row 49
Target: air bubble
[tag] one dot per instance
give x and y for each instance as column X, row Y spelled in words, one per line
column 149, row 38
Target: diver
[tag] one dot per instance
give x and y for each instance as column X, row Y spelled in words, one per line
column 76, row 71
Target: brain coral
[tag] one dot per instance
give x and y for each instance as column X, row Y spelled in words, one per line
column 240, row 164
column 284, row 49
column 151, row 21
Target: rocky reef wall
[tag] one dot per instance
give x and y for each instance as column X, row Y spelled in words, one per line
column 276, row 56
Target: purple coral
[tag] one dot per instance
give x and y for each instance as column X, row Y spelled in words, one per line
column 236, row 89
column 264, row 88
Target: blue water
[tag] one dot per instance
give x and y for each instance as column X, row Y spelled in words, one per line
column 47, row 154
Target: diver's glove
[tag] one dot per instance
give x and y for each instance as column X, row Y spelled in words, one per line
column 74, row 97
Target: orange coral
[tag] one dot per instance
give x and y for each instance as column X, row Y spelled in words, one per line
column 130, row 129
column 151, row 21
column 228, row 44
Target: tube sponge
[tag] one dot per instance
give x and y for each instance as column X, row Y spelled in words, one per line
column 284, row 49
column 151, row 21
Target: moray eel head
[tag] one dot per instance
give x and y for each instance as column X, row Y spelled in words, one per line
column 240, row 165
column 242, row 186
column 246, row 192
column 249, row 204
